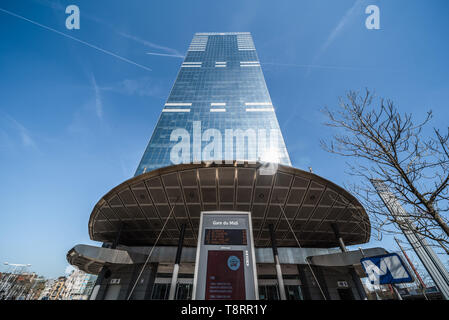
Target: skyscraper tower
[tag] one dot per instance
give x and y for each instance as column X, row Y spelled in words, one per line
column 219, row 87
column 215, row 208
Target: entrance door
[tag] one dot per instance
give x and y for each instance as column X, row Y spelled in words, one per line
column 269, row 292
column 345, row 294
column 112, row 292
column 160, row 291
column 268, row 289
column 293, row 292
column 184, row 291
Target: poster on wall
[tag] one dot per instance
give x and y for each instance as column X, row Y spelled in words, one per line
column 225, row 278
column 225, row 267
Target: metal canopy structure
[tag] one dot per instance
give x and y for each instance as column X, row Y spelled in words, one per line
column 141, row 205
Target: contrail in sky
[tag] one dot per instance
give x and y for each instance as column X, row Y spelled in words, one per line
column 76, row 39
column 311, row 66
column 165, row 55
column 337, row 30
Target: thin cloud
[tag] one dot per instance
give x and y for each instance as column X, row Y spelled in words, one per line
column 144, row 86
column 310, row 66
column 165, row 55
column 23, row 132
column 343, row 21
column 98, row 101
column 169, row 51
column 337, row 30
column 76, row 39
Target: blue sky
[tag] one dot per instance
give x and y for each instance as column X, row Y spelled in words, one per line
column 74, row 119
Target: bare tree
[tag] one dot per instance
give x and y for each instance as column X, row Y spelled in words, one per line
column 388, row 145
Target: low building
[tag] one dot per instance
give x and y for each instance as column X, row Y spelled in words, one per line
column 78, row 285
column 45, row 293
column 57, row 289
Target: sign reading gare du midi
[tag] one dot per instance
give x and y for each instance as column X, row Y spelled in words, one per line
column 225, row 266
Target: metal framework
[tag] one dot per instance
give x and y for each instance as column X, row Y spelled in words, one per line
column 142, row 204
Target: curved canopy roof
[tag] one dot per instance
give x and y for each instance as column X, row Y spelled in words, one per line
column 141, row 205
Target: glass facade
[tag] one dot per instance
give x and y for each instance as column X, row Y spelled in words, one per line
column 218, row 109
